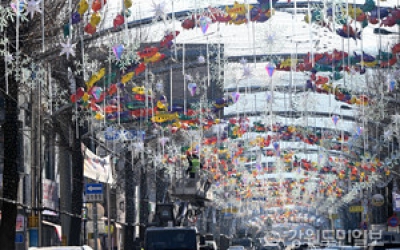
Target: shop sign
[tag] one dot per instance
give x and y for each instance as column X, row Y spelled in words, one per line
column 356, row 209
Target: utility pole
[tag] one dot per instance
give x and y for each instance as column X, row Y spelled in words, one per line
column 129, row 201
column 39, row 160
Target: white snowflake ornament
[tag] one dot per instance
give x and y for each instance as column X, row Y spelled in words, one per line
column 201, row 59
column 387, row 134
column 270, row 38
column 158, row 9
column 8, row 58
column 68, row 48
column 243, row 61
column 396, row 118
column 32, row 6
column 247, row 71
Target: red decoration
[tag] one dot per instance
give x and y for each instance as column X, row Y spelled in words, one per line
column 73, row 98
column 118, row 21
column 96, row 5
column 90, row 29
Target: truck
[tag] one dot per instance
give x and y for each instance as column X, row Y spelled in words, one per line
column 171, row 238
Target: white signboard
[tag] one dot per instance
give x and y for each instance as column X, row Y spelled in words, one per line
column 95, row 167
column 50, row 197
column 20, row 223
column 396, row 202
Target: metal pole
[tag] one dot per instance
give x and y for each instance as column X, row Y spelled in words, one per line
column 184, row 80
column 39, row 162
column 33, row 157
column 109, row 217
column 95, row 233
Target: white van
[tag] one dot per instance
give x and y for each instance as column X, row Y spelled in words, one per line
column 61, row 248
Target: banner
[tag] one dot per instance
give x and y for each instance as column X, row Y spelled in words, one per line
column 50, row 196
column 95, row 167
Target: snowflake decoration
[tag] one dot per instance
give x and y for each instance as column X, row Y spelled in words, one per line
column 396, row 118
column 158, row 9
column 201, row 59
column 124, row 62
column 68, row 48
column 387, row 135
column 188, row 78
column 5, row 15
column 270, row 38
column 243, row 61
column 247, row 71
column 32, row 6
column 8, row 58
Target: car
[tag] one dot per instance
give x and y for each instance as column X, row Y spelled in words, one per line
column 271, row 247
column 236, row 248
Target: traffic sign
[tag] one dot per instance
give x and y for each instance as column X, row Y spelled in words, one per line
column 94, row 192
column 393, row 221
column 94, row 188
column 19, row 238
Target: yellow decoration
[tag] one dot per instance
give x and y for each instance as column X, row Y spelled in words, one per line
column 369, row 64
column 99, row 116
column 270, row 13
column 353, row 12
column 238, row 22
column 154, row 58
column 139, row 90
column 287, row 63
column 353, row 100
column 160, row 106
column 85, row 97
column 126, row 78
column 237, row 9
column 306, row 19
column 177, row 124
column 128, row 3
column 95, row 19
column 83, row 7
column 101, row 73
column 160, row 118
column 95, row 78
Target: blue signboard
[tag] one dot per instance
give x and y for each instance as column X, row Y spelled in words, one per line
column 94, row 188
column 33, row 237
column 19, row 238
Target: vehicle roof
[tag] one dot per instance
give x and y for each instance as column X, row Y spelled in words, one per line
column 62, row 248
column 171, row 228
